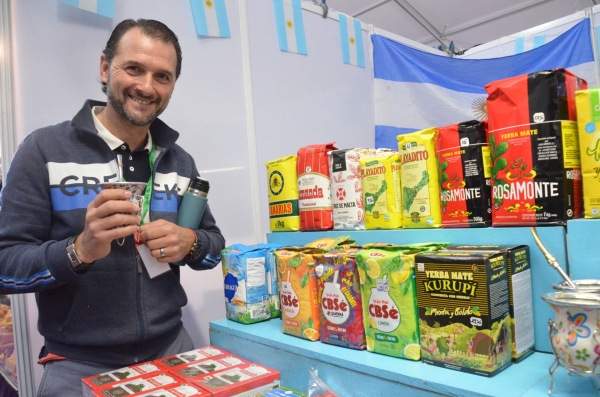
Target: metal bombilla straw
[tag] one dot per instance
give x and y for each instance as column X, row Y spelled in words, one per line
column 551, row 259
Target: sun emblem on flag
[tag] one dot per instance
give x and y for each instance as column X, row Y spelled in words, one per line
column 208, row 3
column 290, row 24
column 352, row 41
column 479, row 106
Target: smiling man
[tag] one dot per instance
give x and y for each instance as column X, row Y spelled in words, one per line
column 77, row 246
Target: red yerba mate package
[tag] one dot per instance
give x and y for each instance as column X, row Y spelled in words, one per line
column 536, row 170
column 548, row 95
column 314, row 187
column 464, row 165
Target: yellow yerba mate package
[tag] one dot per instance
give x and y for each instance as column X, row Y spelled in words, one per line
column 284, row 215
column 588, row 122
column 419, row 174
column 380, row 177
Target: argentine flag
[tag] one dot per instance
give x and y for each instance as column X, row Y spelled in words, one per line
column 416, row 90
column 102, row 7
column 211, row 18
column 290, row 27
column 528, row 43
column 351, row 40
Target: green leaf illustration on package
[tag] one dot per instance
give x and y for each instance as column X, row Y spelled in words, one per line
column 442, row 177
column 304, row 280
column 122, row 375
column 371, row 198
column 410, row 193
column 295, row 262
column 476, row 311
column 135, row 388
column 498, row 163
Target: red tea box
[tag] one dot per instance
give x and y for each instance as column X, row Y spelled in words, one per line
column 314, row 187
column 238, row 380
column 464, row 165
column 174, row 390
column 341, row 302
column 191, row 356
column 207, row 366
column 105, row 379
column 139, row 386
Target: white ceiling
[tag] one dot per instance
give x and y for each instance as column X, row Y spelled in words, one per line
column 466, row 22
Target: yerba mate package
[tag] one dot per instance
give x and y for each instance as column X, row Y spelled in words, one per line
column 389, row 301
column 314, row 187
column 382, row 195
column 548, row 95
column 536, row 174
column 588, row 122
column 346, row 188
column 245, row 284
column 299, row 292
column 463, row 157
column 272, row 278
column 420, row 186
column 283, row 194
column 519, row 292
column 464, row 318
column 340, row 297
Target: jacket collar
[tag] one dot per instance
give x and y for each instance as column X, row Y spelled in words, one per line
column 163, row 135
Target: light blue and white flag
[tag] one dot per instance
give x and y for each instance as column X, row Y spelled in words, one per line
column 211, row 18
column 102, row 7
column 290, row 26
column 528, row 43
column 416, row 90
column 353, row 52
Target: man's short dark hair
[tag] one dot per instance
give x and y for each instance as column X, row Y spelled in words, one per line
column 149, row 27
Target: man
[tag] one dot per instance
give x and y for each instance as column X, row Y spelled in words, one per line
column 74, row 244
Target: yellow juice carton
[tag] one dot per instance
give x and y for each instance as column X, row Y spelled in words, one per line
column 299, row 293
column 389, row 301
column 382, row 195
column 588, row 122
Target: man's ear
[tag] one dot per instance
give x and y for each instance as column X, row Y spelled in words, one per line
column 103, row 69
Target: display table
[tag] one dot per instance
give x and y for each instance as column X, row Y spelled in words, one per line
column 354, row 373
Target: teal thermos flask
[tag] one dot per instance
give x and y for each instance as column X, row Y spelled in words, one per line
column 193, row 203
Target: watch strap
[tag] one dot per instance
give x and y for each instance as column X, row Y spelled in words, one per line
column 74, row 261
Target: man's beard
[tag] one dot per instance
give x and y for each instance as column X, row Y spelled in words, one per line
column 127, row 116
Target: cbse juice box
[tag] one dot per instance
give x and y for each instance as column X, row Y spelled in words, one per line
column 520, row 295
column 299, row 292
column 341, row 302
column 464, row 317
column 109, row 378
column 190, row 356
column 246, row 287
column 329, row 244
column 389, row 302
column 237, row 380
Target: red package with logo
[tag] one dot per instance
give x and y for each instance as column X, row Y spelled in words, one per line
column 314, row 187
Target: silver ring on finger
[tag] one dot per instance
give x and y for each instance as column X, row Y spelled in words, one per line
column 162, row 253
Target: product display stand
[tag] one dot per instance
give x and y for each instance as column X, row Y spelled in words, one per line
column 353, row 373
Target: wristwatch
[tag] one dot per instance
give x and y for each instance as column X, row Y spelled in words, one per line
column 78, row 266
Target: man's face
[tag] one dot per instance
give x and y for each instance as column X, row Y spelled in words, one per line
column 140, row 79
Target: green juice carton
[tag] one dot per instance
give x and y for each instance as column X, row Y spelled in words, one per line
column 388, row 293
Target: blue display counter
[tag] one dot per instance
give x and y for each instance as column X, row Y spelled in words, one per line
column 361, row 373
column 354, row 373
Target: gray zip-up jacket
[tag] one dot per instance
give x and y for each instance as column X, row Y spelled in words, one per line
column 114, row 313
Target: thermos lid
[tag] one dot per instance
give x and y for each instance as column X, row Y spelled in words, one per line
column 200, row 184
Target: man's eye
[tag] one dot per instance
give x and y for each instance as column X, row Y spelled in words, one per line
column 163, row 78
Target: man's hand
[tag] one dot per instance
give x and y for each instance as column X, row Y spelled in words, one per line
column 175, row 241
column 108, row 217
